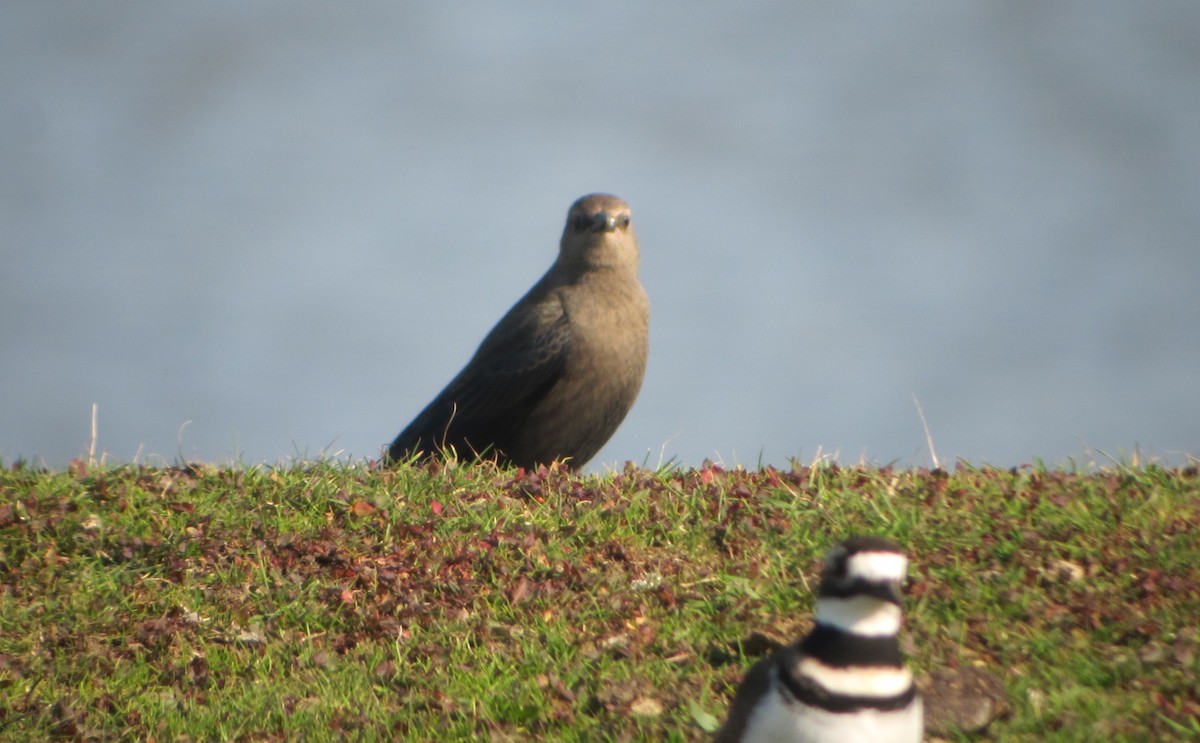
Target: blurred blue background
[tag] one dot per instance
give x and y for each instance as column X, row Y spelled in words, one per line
column 254, row 231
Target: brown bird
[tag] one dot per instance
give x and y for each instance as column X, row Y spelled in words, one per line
column 556, row 376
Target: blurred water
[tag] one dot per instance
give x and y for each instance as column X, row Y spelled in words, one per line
column 259, row 230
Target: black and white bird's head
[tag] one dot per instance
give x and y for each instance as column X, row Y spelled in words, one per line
column 860, row 590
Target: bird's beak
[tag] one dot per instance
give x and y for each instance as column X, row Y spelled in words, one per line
column 604, row 222
column 888, row 590
column 894, row 591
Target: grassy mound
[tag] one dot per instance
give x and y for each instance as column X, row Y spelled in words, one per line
column 327, row 601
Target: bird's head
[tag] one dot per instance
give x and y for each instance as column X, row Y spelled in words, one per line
column 599, row 234
column 860, row 586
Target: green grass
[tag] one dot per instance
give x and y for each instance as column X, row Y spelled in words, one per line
column 328, row 601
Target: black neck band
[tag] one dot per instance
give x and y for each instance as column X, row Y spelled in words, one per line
column 840, row 649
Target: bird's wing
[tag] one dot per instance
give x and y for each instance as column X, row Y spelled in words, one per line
column 515, row 366
column 755, row 686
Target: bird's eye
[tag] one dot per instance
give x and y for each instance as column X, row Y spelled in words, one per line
column 623, row 220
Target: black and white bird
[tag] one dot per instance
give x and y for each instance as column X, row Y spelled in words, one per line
column 846, row 680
